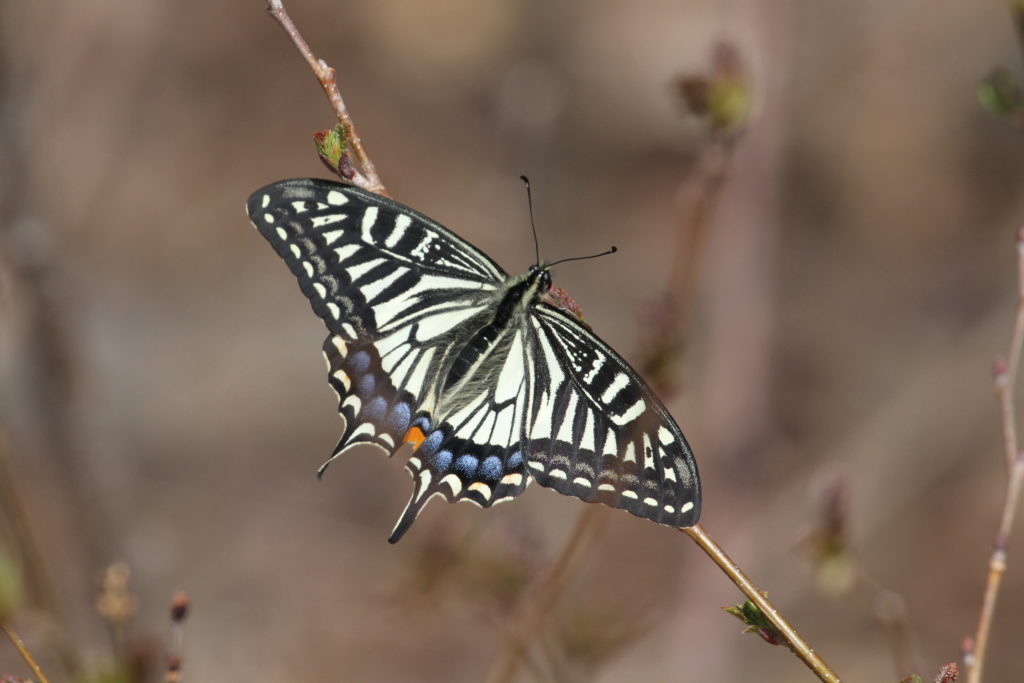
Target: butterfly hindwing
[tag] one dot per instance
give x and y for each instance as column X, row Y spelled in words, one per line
column 373, row 411
column 476, row 452
column 599, row 433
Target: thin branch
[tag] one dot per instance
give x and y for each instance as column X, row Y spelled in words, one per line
column 701, row 193
column 368, row 179
column 799, row 646
column 1006, row 370
column 542, row 602
column 25, row 654
column 37, row 575
column 1005, row 380
column 179, row 610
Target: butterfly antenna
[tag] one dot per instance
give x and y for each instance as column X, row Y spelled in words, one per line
column 529, row 201
column 584, row 258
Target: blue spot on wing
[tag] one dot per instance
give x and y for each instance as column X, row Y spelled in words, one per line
column 398, row 419
column 359, row 361
column 432, row 442
column 514, row 460
column 375, row 409
column 442, row 460
column 491, row 468
column 466, row 465
column 366, row 385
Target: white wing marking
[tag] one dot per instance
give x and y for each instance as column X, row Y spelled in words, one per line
column 648, row 453
column 346, row 252
column 434, row 325
column 504, row 424
column 414, row 384
column 401, row 223
column 618, row 384
column 371, row 290
column 610, row 444
column 565, row 430
column 321, row 221
column 511, row 378
column 631, row 413
column 356, row 272
column 369, row 218
column 587, row 442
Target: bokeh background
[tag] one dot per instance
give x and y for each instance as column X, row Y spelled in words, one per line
column 843, row 275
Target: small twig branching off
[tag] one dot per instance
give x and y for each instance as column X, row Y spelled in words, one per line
column 538, row 606
column 368, row 178
column 535, row 614
column 1005, row 374
column 795, row 642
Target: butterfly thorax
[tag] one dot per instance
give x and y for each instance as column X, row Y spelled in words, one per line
column 486, row 340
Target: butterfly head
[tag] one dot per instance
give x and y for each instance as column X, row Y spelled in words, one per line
column 540, row 274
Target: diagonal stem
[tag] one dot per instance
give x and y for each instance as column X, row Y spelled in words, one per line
column 539, row 605
column 25, row 654
column 799, row 646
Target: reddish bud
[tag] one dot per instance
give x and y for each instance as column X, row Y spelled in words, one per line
column 948, row 673
column 179, row 607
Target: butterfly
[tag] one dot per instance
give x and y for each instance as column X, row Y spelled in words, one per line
column 434, row 348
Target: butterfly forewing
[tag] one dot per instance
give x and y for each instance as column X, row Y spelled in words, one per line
column 432, row 344
column 389, row 284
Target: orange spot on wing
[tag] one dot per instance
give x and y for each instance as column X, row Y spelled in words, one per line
column 415, row 436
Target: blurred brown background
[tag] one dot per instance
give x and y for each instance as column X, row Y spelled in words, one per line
column 163, row 398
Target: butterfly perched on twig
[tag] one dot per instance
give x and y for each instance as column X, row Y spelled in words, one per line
column 434, row 347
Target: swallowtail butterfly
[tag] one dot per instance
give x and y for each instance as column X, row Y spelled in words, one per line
column 432, row 344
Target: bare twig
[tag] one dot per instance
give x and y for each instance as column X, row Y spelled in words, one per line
column 540, row 604
column 37, row 575
column 368, row 179
column 25, row 654
column 700, row 193
column 1005, row 371
column 800, row 647
column 1005, row 379
column 34, row 308
column 179, row 611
